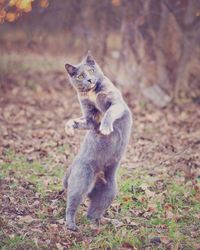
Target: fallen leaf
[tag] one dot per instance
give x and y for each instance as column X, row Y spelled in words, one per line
column 144, row 186
column 152, row 207
column 29, row 150
column 36, row 230
column 127, row 219
column 127, row 245
column 27, row 219
column 177, row 217
column 134, row 223
column 53, row 228
column 169, row 206
column 59, row 246
column 197, row 197
column 61, row 221
column 194, row 234
column 134, row 199
column 35, row 203
column 13, row 200
column 120, row 224
column 149, row 193
column 126, row 199
column 97, row 228
column 169, row 214
column 165, row 240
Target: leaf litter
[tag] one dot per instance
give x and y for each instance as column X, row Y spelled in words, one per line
column 162, row 164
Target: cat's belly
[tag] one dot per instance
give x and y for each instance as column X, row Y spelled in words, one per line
column 101, row 150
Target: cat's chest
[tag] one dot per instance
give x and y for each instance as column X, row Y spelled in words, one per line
column 99, row 101
column 102, row 102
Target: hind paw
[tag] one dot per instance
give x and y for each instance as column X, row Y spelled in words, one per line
column 72, row 227
column 105, row 129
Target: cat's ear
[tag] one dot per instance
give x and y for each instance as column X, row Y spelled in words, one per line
column 89, row 58
column 70, row 69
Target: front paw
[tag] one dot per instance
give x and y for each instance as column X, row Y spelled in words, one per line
column 69, row 128
column 106, row 129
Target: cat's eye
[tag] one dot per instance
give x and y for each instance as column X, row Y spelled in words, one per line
column 91, row 71
column 80, row 77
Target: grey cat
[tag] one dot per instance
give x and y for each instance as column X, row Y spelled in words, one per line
column 108, row 121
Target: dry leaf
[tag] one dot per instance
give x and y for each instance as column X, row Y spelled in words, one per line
column 36, row 230
column 152, row 207
column 53, row 228
column 29, row 150
column 149, row 193
column 59, row 246
column 27, row 219
column 35, row 203
column 127, row 245
column 165, row 240
column 120, row 224
column 127, row 219
column 13, row 200
column 61, row 221
column 169, row 214
column 134, row 223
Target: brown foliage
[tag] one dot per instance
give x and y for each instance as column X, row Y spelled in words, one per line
column 150, row 42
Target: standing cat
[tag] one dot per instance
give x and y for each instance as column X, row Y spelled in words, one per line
column 108, row 121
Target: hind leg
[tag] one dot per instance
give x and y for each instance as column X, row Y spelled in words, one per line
column 79, row 184
column 101, row 197
column 102, row 194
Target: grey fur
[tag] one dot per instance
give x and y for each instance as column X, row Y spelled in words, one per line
column 108, row 121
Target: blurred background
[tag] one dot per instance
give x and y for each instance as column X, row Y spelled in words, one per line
column 138, row 43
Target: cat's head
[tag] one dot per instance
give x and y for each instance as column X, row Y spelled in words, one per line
column 86, row 75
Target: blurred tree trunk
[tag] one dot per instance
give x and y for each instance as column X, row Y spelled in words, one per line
column 153, row 37
column 160, row 51
column 188, row 44
column 103, row 30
